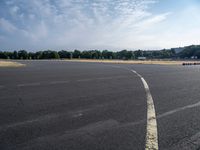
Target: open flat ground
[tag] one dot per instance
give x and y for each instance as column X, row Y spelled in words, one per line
column 63, row 105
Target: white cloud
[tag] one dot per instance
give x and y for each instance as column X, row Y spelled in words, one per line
column 151, row 21
column 6, row 25
column 181, row 29
column 2, row 38
column 83, row 24
column 39, row 32
column 9, row 2
column 14, row 10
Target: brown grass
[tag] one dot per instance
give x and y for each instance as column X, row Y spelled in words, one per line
column 10, row 64
column 156, row 62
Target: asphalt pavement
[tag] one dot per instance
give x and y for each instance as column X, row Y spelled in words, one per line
column 55, row 105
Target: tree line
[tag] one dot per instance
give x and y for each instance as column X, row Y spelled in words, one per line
column 192, row 51
column 87, row 54
column 187, row 52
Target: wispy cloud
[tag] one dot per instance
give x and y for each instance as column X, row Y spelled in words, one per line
column 7, row 26
column 82, row 24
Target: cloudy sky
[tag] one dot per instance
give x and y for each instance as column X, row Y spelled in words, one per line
column 98, row 24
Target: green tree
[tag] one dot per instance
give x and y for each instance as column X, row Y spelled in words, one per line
column 38, row 55
column 49, row 54
column 64, row 54
column 15, row 55
column 3, row 55
column 76, row 54
column 22, row 54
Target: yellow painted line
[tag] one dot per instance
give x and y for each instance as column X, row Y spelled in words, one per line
column 151, row 130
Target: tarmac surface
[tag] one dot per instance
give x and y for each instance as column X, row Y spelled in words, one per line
column 58, row 105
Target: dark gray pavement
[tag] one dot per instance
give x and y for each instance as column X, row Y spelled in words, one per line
column 94, row 106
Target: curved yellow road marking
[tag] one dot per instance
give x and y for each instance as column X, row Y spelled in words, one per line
column 151, row 133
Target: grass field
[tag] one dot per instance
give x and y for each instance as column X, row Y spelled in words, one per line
column 10, row 64
column 158, row 62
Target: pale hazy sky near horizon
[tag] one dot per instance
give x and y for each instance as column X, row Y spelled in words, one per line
column 98, row 24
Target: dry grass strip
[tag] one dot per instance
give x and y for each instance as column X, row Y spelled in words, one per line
column 10, row 64
column 156, row 62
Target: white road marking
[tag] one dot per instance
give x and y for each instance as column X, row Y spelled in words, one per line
column 151, row 133
column 84, row 80
column 77, row 115
column 59, row 82
column 101, row 78
column 104, row 78
column 28, row 84
column 179, row 109
column 113, row 77
column 63, row 82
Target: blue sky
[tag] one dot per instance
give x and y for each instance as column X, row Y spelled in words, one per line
column 98, row 24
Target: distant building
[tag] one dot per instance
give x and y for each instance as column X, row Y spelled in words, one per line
column 194, row 57
column 142, row 58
